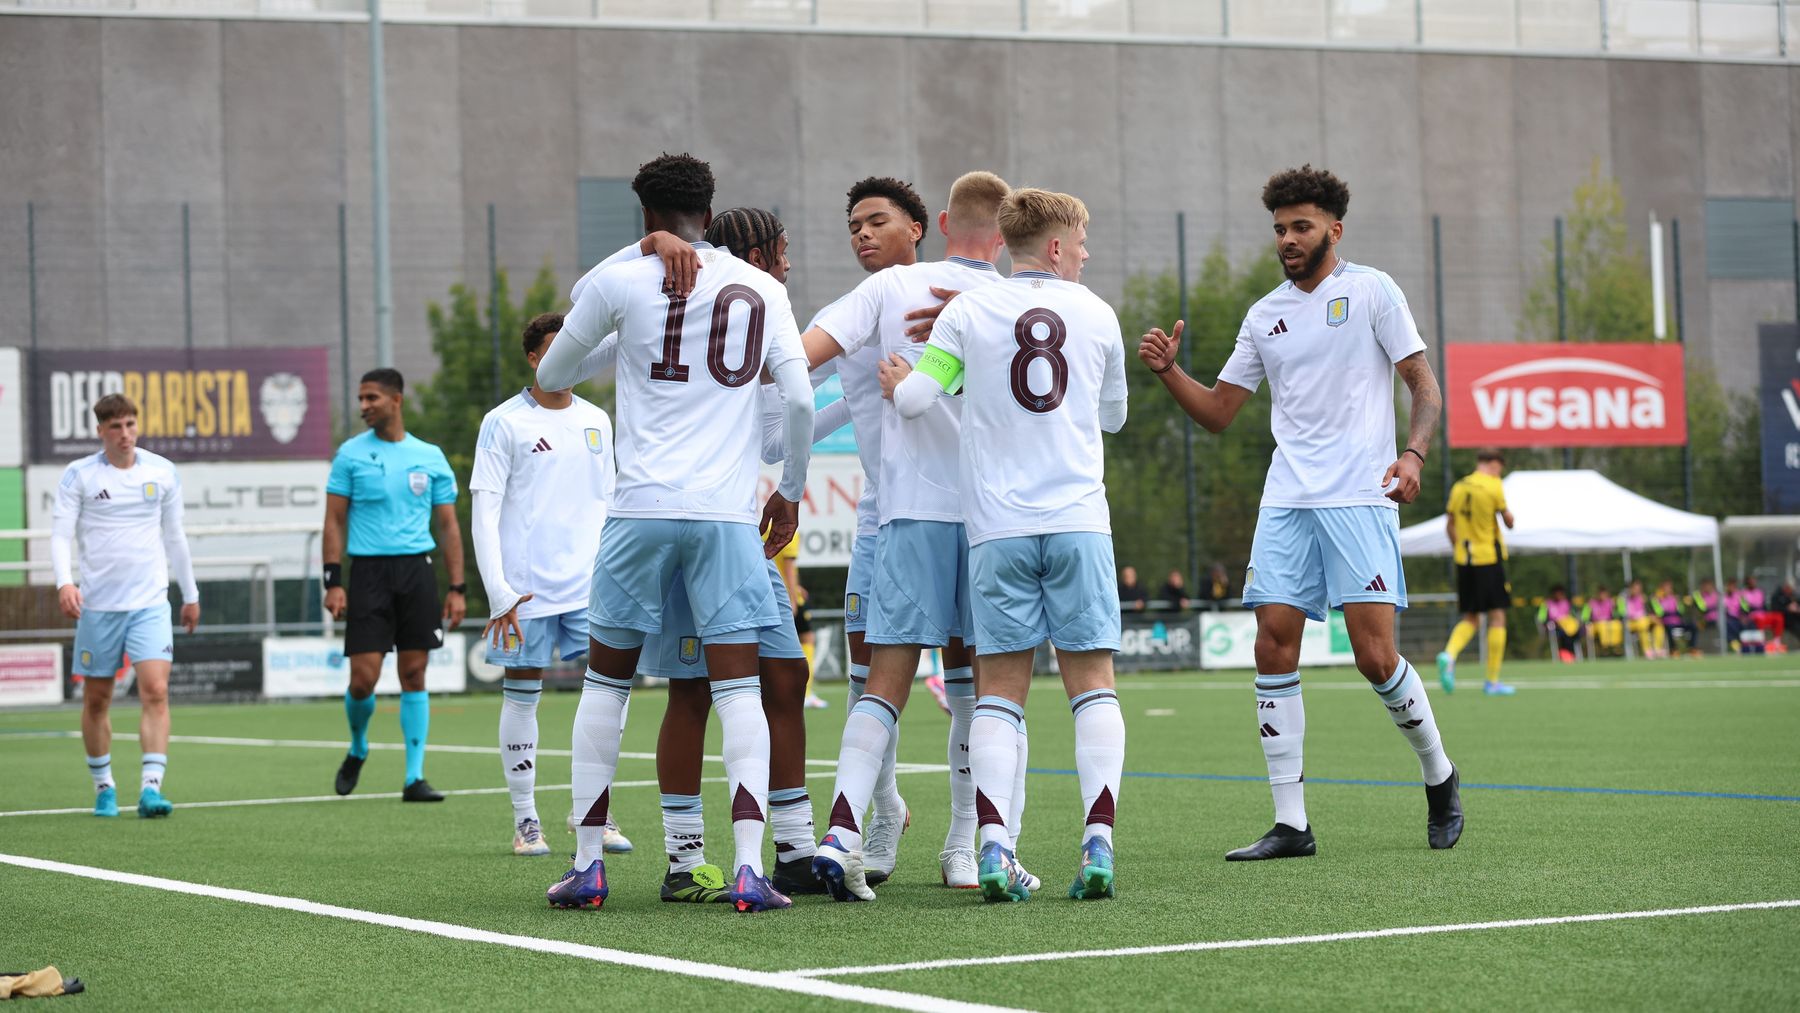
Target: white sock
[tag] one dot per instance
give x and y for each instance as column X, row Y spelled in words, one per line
column 100, row 769
column 1099, row 759
column 518, row 743
column 1404, row 696
column 154, row 766
column 867, row 732
column 684, row 832
column 959, row 693
column 599, row 719
column 791, row 823
column 886, row 796
column 1281, row 721
column 993, row 758
column 745, row 731
column 1015, row 818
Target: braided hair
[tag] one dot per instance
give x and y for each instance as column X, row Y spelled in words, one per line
column 741, row 230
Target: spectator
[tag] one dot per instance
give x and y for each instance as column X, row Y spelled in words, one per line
column 1761, row 615
column 1732, row 607
column 1667, row 607
column 1557, row 616
column 1216, row 588
column 1785, row 605
column 1705, row 603
column 1175, row 592
column 1640, row 620
column 1601, row 614
column 1132, row 596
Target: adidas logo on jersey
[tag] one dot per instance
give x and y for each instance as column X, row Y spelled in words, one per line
column 540, row 446
column 1377, row 584
column 104, row 494
column 1279, row 328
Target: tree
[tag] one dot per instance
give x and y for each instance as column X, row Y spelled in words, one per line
column 1145, row 481
column 448, row 410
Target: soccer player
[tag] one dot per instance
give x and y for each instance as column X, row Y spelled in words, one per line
column 542, row 481
column 387, row 489
column 685, row 503
column 1480, row 552
column 1043, row 361
column 124, row 505
column 1328, row 532
column 920, row 594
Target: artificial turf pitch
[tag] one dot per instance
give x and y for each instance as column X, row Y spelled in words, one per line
column 1601, row 788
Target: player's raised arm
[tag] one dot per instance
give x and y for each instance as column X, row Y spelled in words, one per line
column 181, row 561
column 1212, row 407
column 592, row 319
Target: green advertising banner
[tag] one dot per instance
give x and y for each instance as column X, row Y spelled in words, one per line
column 12, row 515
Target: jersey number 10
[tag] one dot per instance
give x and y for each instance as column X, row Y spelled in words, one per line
column 670, row 369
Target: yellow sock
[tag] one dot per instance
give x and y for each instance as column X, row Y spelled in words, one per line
column 1496, row 652
column 1459, row 638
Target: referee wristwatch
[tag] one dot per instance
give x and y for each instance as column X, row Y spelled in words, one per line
column 462, row 589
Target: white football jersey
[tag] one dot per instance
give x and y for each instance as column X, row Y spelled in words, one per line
column 119, row 516
column 1039, row 356
column 918, row 457
column 859, row 376
column 1329, row 356
column 553, row 469
column 689, row 416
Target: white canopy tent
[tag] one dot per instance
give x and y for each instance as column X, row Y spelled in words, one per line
column 1582, row 511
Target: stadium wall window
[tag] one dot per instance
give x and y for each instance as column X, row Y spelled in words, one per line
column 609, row 220
column 1746, row 238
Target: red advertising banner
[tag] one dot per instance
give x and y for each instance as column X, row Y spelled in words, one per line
column 253, row 404
column 1565, row 395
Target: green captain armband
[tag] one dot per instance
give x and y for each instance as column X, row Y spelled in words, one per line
column 943, row 367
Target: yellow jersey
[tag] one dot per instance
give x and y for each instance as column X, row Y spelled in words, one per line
column 1475, row 503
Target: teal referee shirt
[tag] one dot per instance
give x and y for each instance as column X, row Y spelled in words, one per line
column 391, row 488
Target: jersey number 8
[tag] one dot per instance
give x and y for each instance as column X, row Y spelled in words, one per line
column 670, row 369
column 1048, row 348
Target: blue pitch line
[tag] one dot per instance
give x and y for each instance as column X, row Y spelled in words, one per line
column 1368, row 782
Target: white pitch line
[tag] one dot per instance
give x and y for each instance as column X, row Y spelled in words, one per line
column 1329, row 937
column 773, row 980
column 1531, row 684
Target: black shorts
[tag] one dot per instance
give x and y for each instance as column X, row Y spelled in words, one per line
column 393, row 605
column 803, row 618
column 1482, row 588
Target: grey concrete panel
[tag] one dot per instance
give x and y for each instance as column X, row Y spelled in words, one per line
column 1470, row 180
column 959, row 102
column 1171, row 154
column 1735, row 308
column 284, row 162
column 749, row 132
column 1656, row 136
column 50, row 118
column 1273, row 121
column 162, row 129
column 635, row 97
column 853, row 123
column 1563, row 111
column 1067, row 138
column 1369, row 112
column 1744, row 158
column 518, row 151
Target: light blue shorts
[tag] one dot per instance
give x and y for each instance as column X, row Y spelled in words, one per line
column 103, row 639
column 1323, row 557
column 723, row 570
column 858, row 584
column 1035, row 588
column 547, row 639
column 676, row 652
column 921, row 587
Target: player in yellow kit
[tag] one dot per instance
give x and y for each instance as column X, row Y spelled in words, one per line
column 1476, row 511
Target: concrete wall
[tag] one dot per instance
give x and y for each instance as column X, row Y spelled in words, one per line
column 109, row 125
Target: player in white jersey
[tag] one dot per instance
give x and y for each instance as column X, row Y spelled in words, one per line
column 1328, row 534
column 542, row 481
column 921, row 576
column 685, row 503
column 1042, row 363
column 124, row 506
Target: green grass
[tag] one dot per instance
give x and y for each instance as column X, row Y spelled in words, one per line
column 1659, row 726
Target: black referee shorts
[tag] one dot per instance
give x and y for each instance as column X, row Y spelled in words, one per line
column 803, row 618
column 393, row 605
column 1482, row 588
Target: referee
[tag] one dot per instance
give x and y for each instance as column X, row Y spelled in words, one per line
column 385, row 489
column 1475, row 503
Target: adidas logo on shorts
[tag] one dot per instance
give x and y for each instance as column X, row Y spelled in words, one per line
column 1377, row 584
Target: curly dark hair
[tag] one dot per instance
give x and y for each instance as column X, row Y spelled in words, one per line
column 899, row 191
column 1307, row 185
column 680, row 184
column 541, row 327
column 741, row 230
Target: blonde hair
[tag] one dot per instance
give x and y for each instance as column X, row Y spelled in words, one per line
column 975, row 199
column 1028, row 214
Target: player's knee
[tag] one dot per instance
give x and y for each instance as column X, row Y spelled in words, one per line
column 153, row 695
column 1274, row 655
column 1377, row 663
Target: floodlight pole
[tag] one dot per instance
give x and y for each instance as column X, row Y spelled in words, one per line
column 384, row 303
